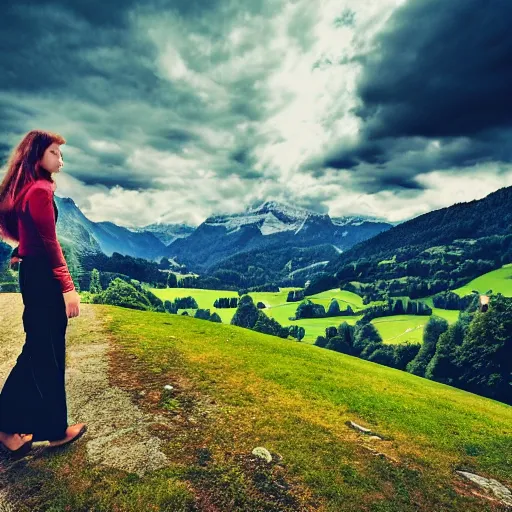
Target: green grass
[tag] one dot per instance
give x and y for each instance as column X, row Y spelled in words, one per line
column 294, row 399
column 401, row 328
column 395, row 329
column 391, row 328
column 499, row 281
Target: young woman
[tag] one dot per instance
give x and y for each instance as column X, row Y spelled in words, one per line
column 33, row 398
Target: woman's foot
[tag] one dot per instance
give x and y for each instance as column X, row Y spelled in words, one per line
column 72, row 434
column 14, row 441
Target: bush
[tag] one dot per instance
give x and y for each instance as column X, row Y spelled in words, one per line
column 215, row 318
column 203, row 314
column 321, row 341
column 9, row 287
column 121, row 293
column 309, row 309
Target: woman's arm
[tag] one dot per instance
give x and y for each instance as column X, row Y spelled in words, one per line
column 40, row 206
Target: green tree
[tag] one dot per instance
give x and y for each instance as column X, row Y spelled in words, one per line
column 385, row 355
column 404, row 354
column 321, row 341
column 364, row 335
column 485, row 356
column 95, row 284
column 121, row 293
column 268, row 325
column 442, row 367
column 398, row 307
column 246, row 314
column 308, row 309
column 339, row 344
column 433, row 329
column 215, row 318
column 334, row 308
column 170, row 307
column 346, row 332
column 172, row 280
column 203, row 314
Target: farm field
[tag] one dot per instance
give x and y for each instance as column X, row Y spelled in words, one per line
column 397, row 329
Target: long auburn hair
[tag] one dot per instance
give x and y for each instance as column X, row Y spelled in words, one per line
column 23, row 168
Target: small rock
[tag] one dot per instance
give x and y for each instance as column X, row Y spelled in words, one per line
column 355, row 426
column 499, row 490
column 168, row 387
column 262, row 453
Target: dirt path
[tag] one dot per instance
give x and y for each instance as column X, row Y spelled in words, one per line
column 118, row 431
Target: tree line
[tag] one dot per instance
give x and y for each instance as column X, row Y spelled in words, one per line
column 474, row 353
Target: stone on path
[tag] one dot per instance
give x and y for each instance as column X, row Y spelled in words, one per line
column 489, row 484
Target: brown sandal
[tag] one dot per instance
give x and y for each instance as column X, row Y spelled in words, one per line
column 82, row 431
column 19, row 452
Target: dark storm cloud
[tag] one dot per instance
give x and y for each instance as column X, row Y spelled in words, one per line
column 93, row 70
column 434, row 94
column 440, row 69
column 171, row 139
column 394, row 163
column 112, row 176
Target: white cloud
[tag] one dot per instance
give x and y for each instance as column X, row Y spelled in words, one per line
column 295, row 63
column 444, row 188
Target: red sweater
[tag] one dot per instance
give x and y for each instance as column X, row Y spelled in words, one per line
column 37, row 218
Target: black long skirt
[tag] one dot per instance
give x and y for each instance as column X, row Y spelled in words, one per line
column 33, row 398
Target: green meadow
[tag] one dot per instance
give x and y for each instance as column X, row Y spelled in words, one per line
column 294, row 399
column 499, row 281
column 396, row 329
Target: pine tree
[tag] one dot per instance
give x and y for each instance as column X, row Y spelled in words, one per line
column 334, row 308
column 172, row 280
column 485, row 356
column 95, row 284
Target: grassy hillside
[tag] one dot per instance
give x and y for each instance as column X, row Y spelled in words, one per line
column 392, row 329
column 294, row 399
column 499, row 281
column 233, row 390
column 395, row 329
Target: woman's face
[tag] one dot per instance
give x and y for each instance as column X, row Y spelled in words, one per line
column 52, row 158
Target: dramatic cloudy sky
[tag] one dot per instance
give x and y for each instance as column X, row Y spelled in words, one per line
column 174, row 110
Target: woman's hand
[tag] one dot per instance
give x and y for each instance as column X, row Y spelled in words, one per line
column 14, row 263
column 72, row 300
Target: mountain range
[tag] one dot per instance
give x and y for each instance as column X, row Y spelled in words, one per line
column 268, row 226
column 280, row 243
column 488, row 217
